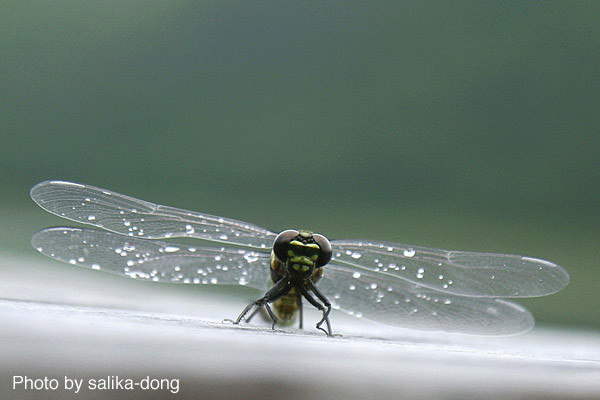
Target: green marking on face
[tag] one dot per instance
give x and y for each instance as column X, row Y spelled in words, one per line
column 302, row 257
column 300, row 267
column 301, row 260
column 309, row 245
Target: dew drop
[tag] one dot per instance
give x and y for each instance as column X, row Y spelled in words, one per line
column 409, row 253
column 356, row 275
column 251, row 257
column 128, row 247
column 91, row 217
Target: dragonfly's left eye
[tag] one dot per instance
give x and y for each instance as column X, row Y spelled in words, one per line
column 282, row 241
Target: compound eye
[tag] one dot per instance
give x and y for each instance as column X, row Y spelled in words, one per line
column 282, row 241
column 326, row 250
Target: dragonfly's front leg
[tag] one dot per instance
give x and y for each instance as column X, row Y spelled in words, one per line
column 325, row 307
column 281, row 288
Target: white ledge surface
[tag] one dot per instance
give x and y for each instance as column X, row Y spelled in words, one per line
column 46, row 333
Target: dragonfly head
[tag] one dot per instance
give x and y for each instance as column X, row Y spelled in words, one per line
column 302, row 252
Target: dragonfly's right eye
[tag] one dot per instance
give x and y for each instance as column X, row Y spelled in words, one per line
column 282, row 241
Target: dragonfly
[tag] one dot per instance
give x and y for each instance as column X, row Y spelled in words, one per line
column 383, row 282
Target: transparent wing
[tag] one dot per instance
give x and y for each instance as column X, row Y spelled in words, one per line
column 129, row 216
column 375, row 297
column 452, row 272
column 154, row 260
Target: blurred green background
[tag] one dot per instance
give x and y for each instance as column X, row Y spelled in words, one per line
column 461, row 125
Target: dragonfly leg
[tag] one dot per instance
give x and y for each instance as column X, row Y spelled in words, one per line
column 281, row 288
column 256, row 310
column 240, row 317
column 300, row 314
column 325, row 307
column 271, row 314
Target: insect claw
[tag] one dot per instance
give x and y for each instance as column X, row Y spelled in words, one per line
column 327, row 332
